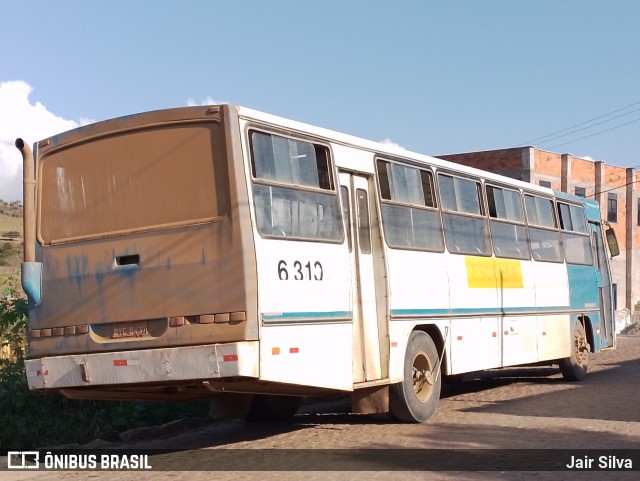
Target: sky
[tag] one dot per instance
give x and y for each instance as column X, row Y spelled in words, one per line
column 435, row 77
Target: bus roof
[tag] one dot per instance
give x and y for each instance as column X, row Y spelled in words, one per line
column 331, row 136
column 380, row 148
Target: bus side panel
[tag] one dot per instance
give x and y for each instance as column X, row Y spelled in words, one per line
column 517, row 290
column 552, row 285
column 552, row 294
column 418, row 282
column 472, row 284
column 418, row 287
column 318, row 355
column 474, row 344
column 583, row 295
column 305, row 312
column 519, row 340
column 554, row 331
column 517, row 300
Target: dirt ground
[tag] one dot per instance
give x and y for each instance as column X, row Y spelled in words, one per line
column 519, row 408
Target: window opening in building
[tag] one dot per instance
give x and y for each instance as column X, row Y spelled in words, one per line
column 612, row 207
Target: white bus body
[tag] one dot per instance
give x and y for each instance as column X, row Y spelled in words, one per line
column 325, row 266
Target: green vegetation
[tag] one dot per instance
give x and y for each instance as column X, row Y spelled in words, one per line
column 35, row 419
column 10, row 242
column 7, row 249
column 10, row 217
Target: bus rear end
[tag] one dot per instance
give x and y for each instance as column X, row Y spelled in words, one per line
column 142, row 283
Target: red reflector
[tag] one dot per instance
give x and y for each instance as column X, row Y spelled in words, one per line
column 394, row 344
column 544, row 333
column 506, row 333
column 230, row 357
column 120, row 362
column 459, row 338
column 294, row 350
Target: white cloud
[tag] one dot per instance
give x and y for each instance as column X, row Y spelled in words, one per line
column 208, row 101
column 29, row 121
column 391, row 143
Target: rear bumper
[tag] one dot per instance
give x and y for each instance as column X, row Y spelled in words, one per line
column 163, row 365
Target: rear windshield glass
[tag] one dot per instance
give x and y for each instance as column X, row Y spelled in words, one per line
column 132, row 181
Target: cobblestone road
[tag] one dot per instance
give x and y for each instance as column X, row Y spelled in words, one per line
column 525, row 408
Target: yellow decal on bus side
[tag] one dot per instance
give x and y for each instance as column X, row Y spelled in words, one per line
column 492, row 273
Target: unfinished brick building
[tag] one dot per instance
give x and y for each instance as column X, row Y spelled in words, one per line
column 613, row 187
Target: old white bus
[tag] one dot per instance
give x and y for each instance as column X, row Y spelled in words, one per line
column 220, row 251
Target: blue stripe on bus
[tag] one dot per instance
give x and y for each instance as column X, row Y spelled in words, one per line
column 486, row 310
column 307, row 315
column 583, row 284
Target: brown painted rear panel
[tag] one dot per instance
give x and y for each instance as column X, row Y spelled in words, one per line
column 139, row 220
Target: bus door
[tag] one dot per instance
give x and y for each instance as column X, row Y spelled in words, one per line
column 368, row 282
column 603, row 275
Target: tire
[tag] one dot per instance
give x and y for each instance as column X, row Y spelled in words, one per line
column 415, row 399
column 574, row 367
column 265, row 408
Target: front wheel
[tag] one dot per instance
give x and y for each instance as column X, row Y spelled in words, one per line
column 415, row 399
column 574, row 367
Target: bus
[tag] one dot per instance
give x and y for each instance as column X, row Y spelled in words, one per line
column 225, row 252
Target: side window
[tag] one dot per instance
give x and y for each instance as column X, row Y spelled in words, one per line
column 543, row 234
column 293, row 190
column 364, row 234
column 460, row 195
column 465, row 226
column 508, row 232
column 575, row 237
column 409, row 215
column 290, row 161
column 346, row 213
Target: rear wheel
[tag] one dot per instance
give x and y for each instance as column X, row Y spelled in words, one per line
column 415, row 399
column 574, row 367
column 266, row 407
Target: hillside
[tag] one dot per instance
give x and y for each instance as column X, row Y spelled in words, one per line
column 10, row 243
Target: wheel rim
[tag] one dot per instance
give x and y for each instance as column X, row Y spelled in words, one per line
column 422, row 377
column 582, row 348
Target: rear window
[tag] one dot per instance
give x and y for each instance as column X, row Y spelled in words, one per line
column 145, row 179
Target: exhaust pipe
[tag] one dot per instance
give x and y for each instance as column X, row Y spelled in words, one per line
column 29, row 201
column 31, row 270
